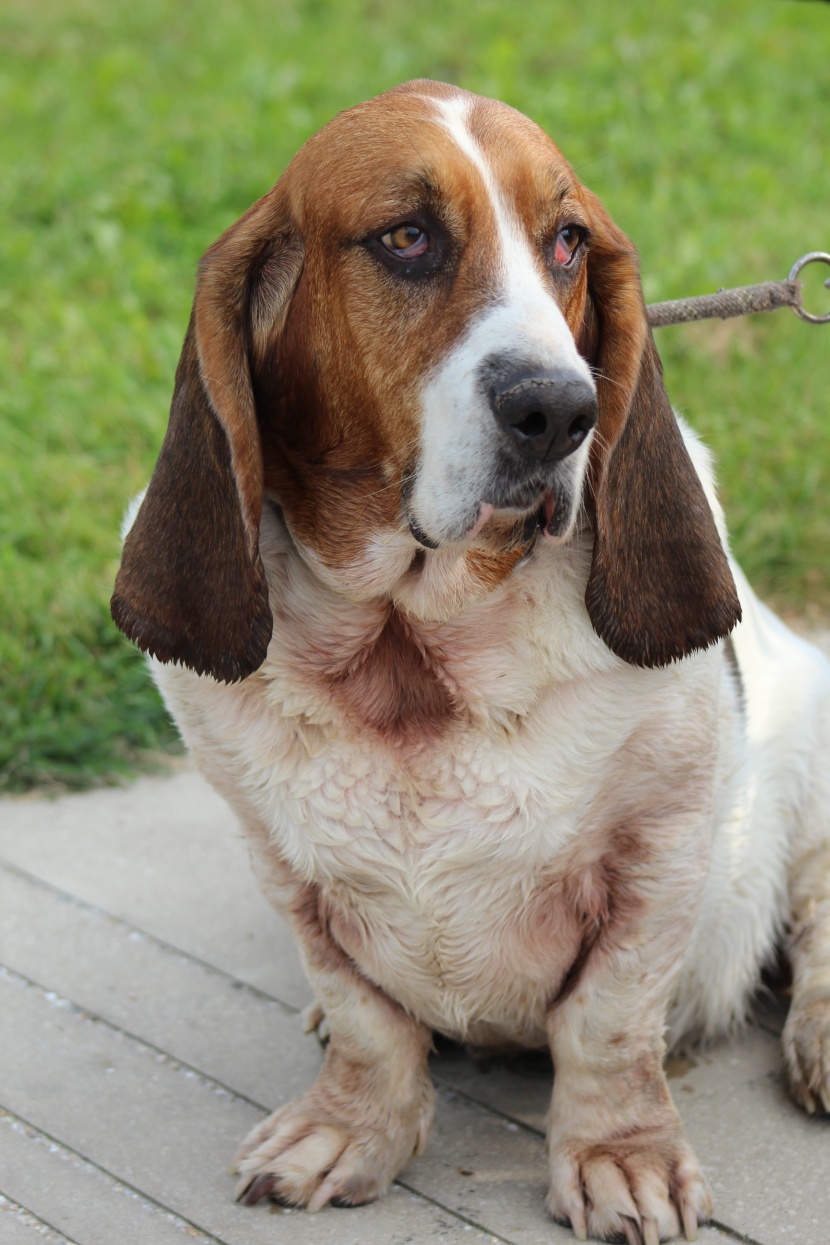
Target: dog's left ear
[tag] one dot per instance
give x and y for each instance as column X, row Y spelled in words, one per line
column 660, row 584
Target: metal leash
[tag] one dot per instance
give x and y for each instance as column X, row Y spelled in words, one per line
column 744, row 301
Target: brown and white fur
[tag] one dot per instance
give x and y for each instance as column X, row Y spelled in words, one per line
column 472, row 700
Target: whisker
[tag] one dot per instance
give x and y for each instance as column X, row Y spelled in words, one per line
column 598, row 375
column 405, row 479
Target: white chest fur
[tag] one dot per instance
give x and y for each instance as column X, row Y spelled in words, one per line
column 457, row 869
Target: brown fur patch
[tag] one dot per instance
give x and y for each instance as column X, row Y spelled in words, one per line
column 605, row 899
column 491, row 569
column 394, row 687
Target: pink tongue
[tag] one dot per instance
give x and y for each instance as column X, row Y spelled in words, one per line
column 550, row 505
column 485, row 510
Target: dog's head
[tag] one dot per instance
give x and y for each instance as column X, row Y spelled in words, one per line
column 428, row 336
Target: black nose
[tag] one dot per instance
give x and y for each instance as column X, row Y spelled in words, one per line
column 546, row 416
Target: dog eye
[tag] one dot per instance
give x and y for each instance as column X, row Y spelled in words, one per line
column 567, row 244
column 406, row 241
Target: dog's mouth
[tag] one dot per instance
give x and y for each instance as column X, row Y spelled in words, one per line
column 421, row 536
column 554, row 515
column 514, row 522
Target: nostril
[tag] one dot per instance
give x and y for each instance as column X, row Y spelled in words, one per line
column 534, row 424
column 579, row 429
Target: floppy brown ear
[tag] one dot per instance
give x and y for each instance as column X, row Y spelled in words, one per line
column 660, row 584
column 191, row 587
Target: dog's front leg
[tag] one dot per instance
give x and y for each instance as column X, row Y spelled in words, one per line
column 371, row 1107
column 620, row 1166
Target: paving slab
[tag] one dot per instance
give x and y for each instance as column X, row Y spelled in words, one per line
column 768, row 1162
column 152, row 853
column 518, row 1089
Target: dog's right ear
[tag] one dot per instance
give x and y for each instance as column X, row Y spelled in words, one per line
column 191, row 587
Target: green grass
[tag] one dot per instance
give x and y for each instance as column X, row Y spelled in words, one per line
column 133, row 134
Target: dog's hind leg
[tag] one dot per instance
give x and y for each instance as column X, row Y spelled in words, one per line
column 807, row 1031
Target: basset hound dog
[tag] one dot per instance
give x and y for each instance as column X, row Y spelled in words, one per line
column 437, row 589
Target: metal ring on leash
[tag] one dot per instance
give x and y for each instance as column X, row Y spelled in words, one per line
column 811, row 258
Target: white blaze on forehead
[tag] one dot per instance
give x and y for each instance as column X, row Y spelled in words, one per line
column 514, row 253
column 518, row 267
column 519, row 319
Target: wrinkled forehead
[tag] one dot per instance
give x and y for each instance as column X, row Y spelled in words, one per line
column 424, row 142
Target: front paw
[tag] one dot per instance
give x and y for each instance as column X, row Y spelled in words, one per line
column 336, row 1144
column 806, row 1042
column 644, row 1188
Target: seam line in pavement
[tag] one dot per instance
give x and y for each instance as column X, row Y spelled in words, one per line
column 142, row 1194
column 168, row 947
column 734, row 1233
column 23, row 1212
column 491, row 1110
column 456, row 1214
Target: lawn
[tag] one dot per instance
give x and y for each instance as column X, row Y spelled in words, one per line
column 133, row 134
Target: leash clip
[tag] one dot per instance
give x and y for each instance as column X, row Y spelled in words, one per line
column 811, row 258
